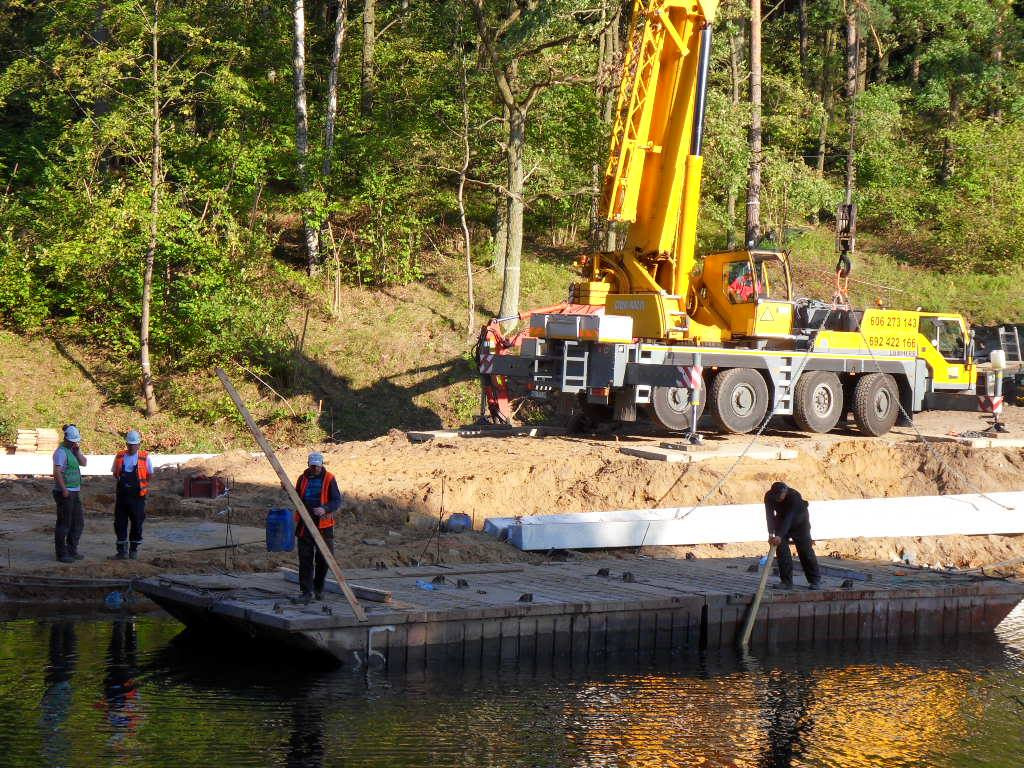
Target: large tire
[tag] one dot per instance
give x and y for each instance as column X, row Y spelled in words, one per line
column 671, row 409
column 876, row 401
column 818, row 401
column 739, row 400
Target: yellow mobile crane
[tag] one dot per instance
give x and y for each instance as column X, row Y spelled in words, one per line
column 650, row 327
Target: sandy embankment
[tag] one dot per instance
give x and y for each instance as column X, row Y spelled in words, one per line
column 395, row 489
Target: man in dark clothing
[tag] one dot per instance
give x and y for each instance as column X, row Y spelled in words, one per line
column 319, row 493
column 788, row 520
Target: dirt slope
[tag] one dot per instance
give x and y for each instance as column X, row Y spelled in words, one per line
column 395, row 491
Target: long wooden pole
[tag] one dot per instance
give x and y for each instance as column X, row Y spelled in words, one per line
column 286, row 483
column 748, row 625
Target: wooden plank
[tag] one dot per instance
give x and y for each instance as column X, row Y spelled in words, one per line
column 562, row 641
column 748, row 625
column 370, row 594
column 580, row 638
column 289, row 488
column 509, row 639
column 528, row 640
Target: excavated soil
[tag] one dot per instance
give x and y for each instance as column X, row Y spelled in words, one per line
column 396, row 490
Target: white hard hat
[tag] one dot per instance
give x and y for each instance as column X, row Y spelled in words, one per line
column 72, row 435
column 133, row 438
column 316, row 459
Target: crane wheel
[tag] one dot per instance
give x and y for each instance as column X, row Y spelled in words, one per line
column 671, row 409
column 818, row 401
column 876, row 403
column 738, row 400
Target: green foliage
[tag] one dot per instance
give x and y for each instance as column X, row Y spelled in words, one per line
column 8, row 421
column 982, row 210
column 939, row 126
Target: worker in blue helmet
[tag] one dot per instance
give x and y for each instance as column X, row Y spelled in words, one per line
column 788, row 520
column 68, row 461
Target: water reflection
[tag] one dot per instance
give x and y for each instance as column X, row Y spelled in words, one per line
column 121, row 702
column 55, row 707
column 306, row 742
column 787, row 700
column 121, row 692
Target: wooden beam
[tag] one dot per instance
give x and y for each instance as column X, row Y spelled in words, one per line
column 370, row 594
column 289, row 488
column 748, row 625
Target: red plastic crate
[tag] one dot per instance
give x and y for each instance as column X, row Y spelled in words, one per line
column 203, row 487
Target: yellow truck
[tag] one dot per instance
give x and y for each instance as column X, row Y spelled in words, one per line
column 653, row 329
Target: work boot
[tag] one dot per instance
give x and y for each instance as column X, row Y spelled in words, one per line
column 133, row 553
column 783, row 585
column 122, row 550
column 76, row 556
column 65, row 559
column 318, row 595
column 814, row 585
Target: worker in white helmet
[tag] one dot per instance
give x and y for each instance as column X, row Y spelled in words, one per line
column 132, row 470
column 319, row 493
column 68, row 461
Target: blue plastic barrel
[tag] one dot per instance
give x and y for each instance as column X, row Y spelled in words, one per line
column 458, row 522
column 280, row 530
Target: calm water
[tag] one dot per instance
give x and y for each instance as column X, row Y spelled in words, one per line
column 105, row 691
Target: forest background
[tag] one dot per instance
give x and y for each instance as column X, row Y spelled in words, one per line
column 309, row 193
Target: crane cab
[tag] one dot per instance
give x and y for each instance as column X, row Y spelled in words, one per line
column 748, row 293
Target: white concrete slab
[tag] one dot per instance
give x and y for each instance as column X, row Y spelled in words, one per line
column 98, row 463
column 978, row 442
column 1000, row 512
column 693, row 455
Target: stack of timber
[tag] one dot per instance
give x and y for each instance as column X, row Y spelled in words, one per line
column 41, row 440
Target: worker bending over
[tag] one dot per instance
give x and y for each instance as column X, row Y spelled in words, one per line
column 788, row 520
column 132, row 470
column 319, row 493
column 68, row 461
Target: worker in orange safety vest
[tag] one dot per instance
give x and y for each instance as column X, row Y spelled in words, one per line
column 319, row 493
column 132, row 470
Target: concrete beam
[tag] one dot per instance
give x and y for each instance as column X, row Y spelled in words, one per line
column 970, row 514
column 99, row 464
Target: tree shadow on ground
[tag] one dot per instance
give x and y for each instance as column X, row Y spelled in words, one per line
column 350, row 413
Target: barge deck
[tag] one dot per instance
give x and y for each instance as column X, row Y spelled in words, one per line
column 583, row 611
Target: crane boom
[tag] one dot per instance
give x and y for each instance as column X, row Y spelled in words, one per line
column 652, row 179
column 650, row 330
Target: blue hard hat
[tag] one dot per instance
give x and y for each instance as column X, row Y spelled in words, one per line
column 316, row 459
column 133, row 437
column 72, row 435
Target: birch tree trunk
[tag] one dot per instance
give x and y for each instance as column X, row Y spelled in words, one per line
column 463, row 173
column 826, row 99
column 332, row 85
column 152, row 408
column 367, row 81
column 330, row 117
column 500, row 231
column 754, row 179
column 514, row 248
column 501, row 211
column 852, row 46
column 602, row 233
column 310, row 233
column 802, row 25
column 730, row 202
